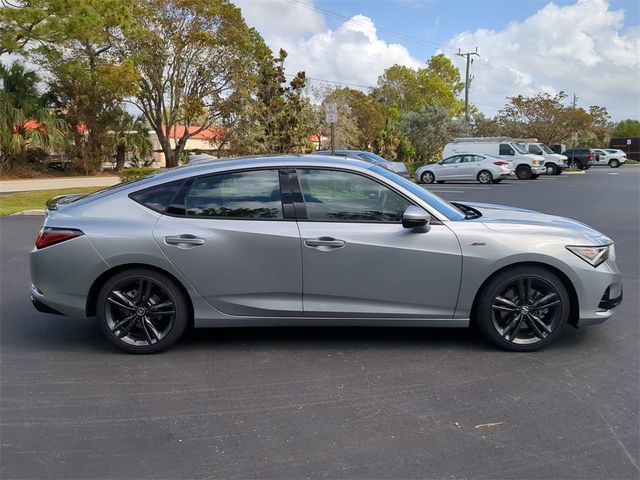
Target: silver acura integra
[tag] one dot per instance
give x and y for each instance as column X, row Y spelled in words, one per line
column 313, row 241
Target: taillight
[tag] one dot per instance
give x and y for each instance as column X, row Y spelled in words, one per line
column 590, row 157
column 501, row 163
column 50, row 236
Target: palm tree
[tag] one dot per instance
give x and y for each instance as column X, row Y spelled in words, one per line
column 27, row 122
column 130, row 135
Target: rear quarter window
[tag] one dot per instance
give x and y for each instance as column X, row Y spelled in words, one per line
column 158, row 197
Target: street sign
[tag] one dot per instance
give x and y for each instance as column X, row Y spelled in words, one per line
column 574, row 137
column 628, row 141
column 331, row 113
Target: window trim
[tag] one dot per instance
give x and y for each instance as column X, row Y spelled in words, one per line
column 295, row 185
column 288, row 214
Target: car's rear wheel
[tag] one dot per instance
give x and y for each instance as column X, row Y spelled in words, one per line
column 484, row 176
column 614, row 163
column 142, row 311
column 427, row 177
column 523, row 308
column 552, row 169
column 523, row 172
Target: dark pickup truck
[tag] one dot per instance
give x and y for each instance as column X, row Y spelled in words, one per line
column 581, row 158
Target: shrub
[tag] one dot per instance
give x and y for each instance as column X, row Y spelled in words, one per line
column 129, row 174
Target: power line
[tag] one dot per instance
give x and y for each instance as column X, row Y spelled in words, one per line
column 332, row 81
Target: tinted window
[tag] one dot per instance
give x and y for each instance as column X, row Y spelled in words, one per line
column 535, row 149
column 241, row 195
column 335, row 196
column 506, row 149
column 451, row 160
column 158, row 198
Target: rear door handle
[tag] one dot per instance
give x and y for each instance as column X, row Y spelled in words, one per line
column 185, row 239
column 324, row 243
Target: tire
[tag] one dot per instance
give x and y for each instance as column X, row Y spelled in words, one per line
column 552, row 169
column 586, row 167
column 427, row 177
column 523, row 172
column 484, row 177
column 614, row 163
column 439, row 181
column 534, row 176
column 497, row 181
column 507, row 304
column 126, row 305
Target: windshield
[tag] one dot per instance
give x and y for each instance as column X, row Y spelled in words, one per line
column 520, row 148
column 442, row 206
column 545, row 149
column 372, row 157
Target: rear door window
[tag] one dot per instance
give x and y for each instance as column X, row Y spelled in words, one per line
column 505, row 149
column 250, row 195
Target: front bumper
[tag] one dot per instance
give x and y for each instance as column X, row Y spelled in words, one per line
column 538, row 169
column 599, row 293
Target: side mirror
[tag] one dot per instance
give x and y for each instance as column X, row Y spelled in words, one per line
column 415, row 218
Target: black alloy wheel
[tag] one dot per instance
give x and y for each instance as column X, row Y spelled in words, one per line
column 523, row 310
column 142, row 311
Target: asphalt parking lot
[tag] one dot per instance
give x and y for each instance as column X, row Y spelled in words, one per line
column 331, row 403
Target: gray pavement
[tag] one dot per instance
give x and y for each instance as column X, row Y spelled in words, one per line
column 31, row 184
column 330, row 403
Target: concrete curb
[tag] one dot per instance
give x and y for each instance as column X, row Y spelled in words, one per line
column 582, row 172
column 29, row 212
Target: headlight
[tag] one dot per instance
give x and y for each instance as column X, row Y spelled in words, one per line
column 593, row 255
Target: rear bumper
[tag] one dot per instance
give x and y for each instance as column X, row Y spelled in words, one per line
column 40, row 306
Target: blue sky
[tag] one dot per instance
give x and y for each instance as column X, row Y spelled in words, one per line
column 436, row 21
column 587, row 47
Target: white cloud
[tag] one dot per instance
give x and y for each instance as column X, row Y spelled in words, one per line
column 352, row 53
column 580, row 48
column 282, row 19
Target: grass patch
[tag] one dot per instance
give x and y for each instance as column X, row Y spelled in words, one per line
column 18, row 202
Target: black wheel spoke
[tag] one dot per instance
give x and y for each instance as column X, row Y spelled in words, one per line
column 163, row 312
column 147, row 293
column 506, row 305
column 120, row 304
column 522, row 292
column 516, row 330
column 125, row 331
column 122, row 298
column 143, row 322
column 123, row 322
column 517, row 318
column 140, row 291
column 538, row 321
column 532, row 324
column 152, row 329
column 547, row 301
column 160, row 307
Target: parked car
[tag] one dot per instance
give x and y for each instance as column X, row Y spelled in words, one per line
column 314, row 240
column 554, row 163
column 483, row 168
column 582, row 158
column 369, row 157
column 525, row 165
column 609, row 156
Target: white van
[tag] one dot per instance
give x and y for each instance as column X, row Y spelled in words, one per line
column 554, row 163
column 525, row 165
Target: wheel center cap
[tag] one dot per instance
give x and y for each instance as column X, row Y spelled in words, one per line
column 141, row 311
column 525, row 310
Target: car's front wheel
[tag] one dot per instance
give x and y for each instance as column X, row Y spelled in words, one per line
column 523, row 172
column 552, row 169
column 427, row 177
column 523, row 308
column 142, row 311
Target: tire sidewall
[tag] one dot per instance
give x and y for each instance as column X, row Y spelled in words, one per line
column 483, row 311
column 181, row 318
column 551, row 169
column 427, row 177
column 614, row 163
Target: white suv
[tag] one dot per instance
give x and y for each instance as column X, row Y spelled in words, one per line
column 609, row 156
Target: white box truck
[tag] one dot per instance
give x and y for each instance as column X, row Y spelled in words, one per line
column 554, row 163
column 525, row 165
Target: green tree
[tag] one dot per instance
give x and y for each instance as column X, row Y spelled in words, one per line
column 412, row 89
column 27, row 120
column 195, row 61
column 430, row 129
column 627, row 128
column 130, row 136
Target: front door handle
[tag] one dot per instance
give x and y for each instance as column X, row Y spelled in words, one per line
column 324, row 243
column 183, row 240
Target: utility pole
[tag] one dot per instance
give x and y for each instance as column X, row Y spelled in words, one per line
column 575, row 101
column 467, row 79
